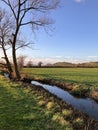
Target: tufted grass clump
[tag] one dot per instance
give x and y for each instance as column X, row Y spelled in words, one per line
column 50, row 105
column 78, row 123
column 41, row 103
column 80, row 89
column 57, row 117
column 66, row 112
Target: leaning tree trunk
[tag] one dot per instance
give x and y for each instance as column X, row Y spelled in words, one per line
column 17, row 74
column 7, row 62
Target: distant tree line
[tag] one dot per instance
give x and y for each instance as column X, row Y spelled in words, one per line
column 63, row 65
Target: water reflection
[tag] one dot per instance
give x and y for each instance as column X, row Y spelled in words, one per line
column 88, row 106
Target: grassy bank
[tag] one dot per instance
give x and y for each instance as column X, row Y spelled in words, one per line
column 27, row 107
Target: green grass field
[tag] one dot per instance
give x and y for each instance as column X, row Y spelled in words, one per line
column 23, row 109
column 28, row 108
column 71, row 75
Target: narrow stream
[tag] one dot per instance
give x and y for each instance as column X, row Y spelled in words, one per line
column 86, row 105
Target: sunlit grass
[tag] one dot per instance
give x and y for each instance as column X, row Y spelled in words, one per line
column 27, row 107
column 22, row 110
column 80, row 81
column 41, row 103
column 59, row 118
column 78, row 123
column 71, row 75
column 66, row 112
column 50, row 105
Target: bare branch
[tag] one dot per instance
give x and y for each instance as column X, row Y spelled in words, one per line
column 10, row 5
column 22, row 3
column 6, row 2
column 23, row 45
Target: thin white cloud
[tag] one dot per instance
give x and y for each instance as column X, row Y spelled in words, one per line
column 93, row 57
column 79, row 1
column 58, row 56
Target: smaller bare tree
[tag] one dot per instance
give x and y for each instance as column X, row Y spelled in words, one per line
column 40, row 64
column 29, row 64
column 21, row 61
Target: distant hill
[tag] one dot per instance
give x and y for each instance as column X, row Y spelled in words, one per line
column 63, row 64
column 88, row 64
column 67, row 64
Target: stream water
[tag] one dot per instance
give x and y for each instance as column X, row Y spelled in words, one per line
column 86, row 105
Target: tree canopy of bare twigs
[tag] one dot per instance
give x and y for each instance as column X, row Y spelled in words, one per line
column 28, row 12
column 5, row 35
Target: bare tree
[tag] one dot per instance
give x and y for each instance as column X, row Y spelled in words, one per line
column 29, row 64
column 40, row 64
column 5, row 33
column 21, row 60
column 28, row 12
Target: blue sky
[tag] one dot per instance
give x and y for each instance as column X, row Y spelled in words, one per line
column 74, row 35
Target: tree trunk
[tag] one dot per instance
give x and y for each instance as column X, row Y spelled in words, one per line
column 17, row 74
column 7, row 62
